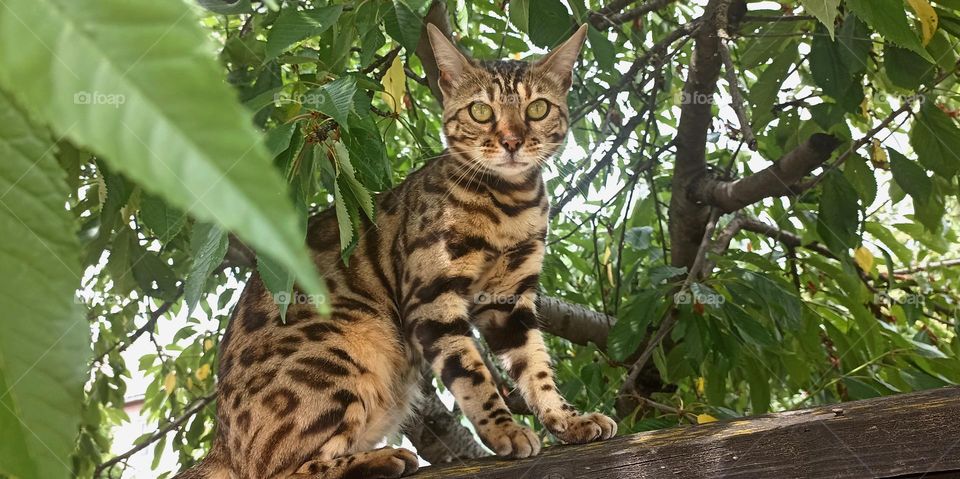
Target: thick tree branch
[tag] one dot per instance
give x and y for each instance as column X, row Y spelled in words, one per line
column 573, row 322
column 688, row 218
column 778, row 179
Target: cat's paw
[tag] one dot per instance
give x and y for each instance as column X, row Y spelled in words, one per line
column 574, row 428
column 385, row 463
column 509, row 439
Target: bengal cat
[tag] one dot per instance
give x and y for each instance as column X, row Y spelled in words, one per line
column 458, row 244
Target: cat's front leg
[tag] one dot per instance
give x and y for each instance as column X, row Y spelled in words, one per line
column 438, row 324
column 508, row 320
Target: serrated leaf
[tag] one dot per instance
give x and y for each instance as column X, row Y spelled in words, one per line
column 346, row 173
column 365, row 143
column 838, row 215
column 824, row 10
column 905, row 68
column 889, row 19
column 403, row 25
column 45, row 343
column 928, row 18
column 335, row 99
column 208, row 246
column 394, row 86
column 911, row 177
column 631, row 327
column 120, row 92
column 345, row 221
column 936, row 139
column 603, row 50
column 163, row 220
column 553, row 23
column 294, row 25
column 861, row 176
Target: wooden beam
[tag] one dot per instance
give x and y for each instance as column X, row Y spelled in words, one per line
column 908, row 435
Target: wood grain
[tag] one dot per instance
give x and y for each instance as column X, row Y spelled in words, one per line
column 912, row 435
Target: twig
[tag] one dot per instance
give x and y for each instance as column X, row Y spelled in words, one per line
column 926, row 267
column 176, row 423
column 736, row 96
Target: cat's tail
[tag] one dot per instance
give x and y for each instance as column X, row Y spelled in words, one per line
column 213, row 466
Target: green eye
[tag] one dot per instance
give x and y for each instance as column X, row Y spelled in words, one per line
column 481, row 112
column 538, row 109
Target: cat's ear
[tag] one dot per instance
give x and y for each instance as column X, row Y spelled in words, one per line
column 560, row 60
column 450, row 61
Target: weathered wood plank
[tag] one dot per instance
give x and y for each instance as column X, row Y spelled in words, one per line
column 905, row 435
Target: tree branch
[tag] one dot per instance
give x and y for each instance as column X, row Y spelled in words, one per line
column 607, row 17
column 688, row 218
column 776, row 180
column 197, row 406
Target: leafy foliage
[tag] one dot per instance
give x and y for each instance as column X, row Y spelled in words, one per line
column 186, row 131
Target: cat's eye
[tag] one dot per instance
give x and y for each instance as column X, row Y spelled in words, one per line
column 481, row 112
column 538, row 109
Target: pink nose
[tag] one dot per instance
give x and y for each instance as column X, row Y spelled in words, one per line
column 511, row 142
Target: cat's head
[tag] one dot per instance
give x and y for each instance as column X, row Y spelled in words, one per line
column 508, row 116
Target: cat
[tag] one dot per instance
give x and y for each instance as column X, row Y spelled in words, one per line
column 458, row 244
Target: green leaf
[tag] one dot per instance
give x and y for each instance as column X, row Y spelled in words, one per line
column 403, row 25
column 824, row 10
column 909, row 176
column 767, row 44
column 227, row 7
column 838, row 218
column 294, row 25
column 861, row 176
column 855, row 39
column 348, row 177
column 45, row 343
column 831, row 72
column 345, row 219
column 278, row 281
column 889, row 19
column 121, row 91
column 120, row 263
column 208, row 246
column 905, row 68
column 149, row 268
column 936, row 139
column 603, row 50
column 372, row 41
column 520, row 14
column 164, row 220
column 764, row 93
column 278, row 139
column 335, row 99
column 631, row 327
column 552, row 25
column 366, row 146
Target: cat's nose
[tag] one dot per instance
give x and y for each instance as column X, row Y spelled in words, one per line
column 511, row 142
